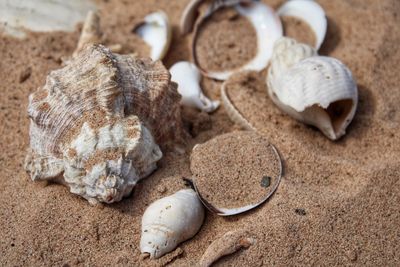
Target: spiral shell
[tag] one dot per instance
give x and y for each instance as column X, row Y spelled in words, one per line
column 97, row 121
column 170, row 221
column 317, row 90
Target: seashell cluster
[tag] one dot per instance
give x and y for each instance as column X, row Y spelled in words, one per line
column 96, row 123
column 170, row 221
column 317, row 90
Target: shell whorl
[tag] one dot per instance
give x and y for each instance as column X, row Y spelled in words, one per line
column 103, row 107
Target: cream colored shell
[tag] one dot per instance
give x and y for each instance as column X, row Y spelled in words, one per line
column 95, row 123
column 317, row 90
column 170, row 221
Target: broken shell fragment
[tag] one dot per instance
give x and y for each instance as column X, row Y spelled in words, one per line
column 42, row 16
column 232, row 112
column 170, row 221
column 268, row 29
column 316, row 90
column 228, row 172
column 310, row 12
column 96, row 123
column 229, row 243
column 189, row 16
column 156, row 31
column 188, row 78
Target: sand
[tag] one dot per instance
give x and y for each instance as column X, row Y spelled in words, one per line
column 338, row 202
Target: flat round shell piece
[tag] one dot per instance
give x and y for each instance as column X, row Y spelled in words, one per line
column 235, row 172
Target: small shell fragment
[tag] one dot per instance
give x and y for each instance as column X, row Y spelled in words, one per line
column 310, row 12
column 188, row 78
column 170, row 221
column 229, row 243
column 268, row 29
column 156, row 31
column 228, row 171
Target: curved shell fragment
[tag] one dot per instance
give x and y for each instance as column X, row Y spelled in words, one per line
column 268, row 29
column 189, row 16
column 156, row 31
column 310, row 12
column 188, row 78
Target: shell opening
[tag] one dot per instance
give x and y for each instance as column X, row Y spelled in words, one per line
column 339, row 112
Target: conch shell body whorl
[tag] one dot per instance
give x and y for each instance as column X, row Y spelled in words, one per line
column 98, row 120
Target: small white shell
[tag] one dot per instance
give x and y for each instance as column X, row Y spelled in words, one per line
column 42, row 16
column 310, row 12
column 188, row 78
column 317, row 90
column 170, row 221
column 268, row 29
column 156, row 32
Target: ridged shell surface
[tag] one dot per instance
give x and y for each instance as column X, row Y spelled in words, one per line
column 316, row 80
column 317, row 90
column 287, row 52
column 120, row 105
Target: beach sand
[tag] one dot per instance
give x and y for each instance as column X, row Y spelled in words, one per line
column 337, row 204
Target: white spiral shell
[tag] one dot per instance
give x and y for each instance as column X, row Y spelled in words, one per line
column 170, row 221
column 317, row 90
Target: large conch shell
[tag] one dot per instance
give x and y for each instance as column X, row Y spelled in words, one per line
column 317, row 90
column 170, row 221
column 266, row 23
column 97, row 121
column 188, row 78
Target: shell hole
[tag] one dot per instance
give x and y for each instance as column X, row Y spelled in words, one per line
column 338, row 112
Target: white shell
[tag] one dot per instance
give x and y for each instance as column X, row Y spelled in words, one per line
column 170, row 221
column 268, row 29
column 42, row 16
column 310, row 12
column 156, row 32
column 188, row 78
column 317, row 90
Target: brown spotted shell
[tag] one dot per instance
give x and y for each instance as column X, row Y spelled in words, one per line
column 108, row 98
